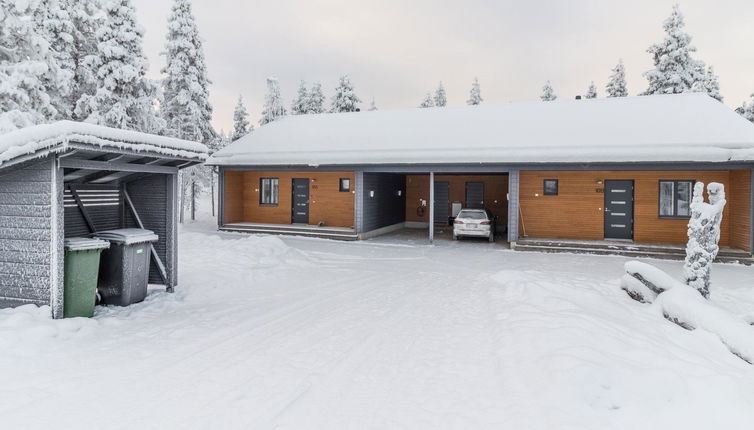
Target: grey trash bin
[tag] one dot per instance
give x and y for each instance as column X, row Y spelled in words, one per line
column 124, row 267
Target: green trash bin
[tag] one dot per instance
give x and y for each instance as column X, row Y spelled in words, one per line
column 80, row 279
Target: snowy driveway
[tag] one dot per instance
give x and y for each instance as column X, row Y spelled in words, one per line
column 298, row 333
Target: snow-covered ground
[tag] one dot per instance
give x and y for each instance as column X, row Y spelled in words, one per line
column 271, row 332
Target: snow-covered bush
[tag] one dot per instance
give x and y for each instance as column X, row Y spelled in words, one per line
column 704, row 235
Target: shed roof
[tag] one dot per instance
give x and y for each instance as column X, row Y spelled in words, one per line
column 665, row 128
column 57, row 137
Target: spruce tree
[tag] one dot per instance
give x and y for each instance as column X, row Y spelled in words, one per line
column 186, row 108
column 427, row 102
column 710, row 84
column 616, row 85
column 675, row 71
column 273, row 102
column 591, row 92
column 300, row 104
column 345, row 98
column 54, row 23
column 316, row 99
column 86, row 19
column 475, row 94
column 548, row 94
column 747, row 109
column 241, row 125
column 372, row 106
column 124, row 98
column 27, row 68
column 441, row 99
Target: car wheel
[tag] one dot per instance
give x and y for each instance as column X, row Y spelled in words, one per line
column 455, row 237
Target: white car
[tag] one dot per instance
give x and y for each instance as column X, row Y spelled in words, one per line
column 474, row 223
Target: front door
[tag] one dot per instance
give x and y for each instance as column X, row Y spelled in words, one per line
column 619, row 209
column 475, row 195
column 442, row 197
column 300, row 201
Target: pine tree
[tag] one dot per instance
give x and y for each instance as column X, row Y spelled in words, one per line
column 372, row 106
column 186, row 108
column 747, row 109
column 675, row 71
column 441, row 99
column 316, row 99
column 591, row 92
column 710, row 84
column 54, row 23
column 87, row 18
column 124, row 98
column 273, row 103
column 345, row 98
column 300, row 104
column 427, row 102
column 548, row 94
column 241, row 125
column 616, row 85
column 475, row 95
column 27, row 68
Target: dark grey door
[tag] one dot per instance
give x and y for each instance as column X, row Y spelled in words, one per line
column 300, row 201
column 619, row 209
column 475, row 195
column 442, row 197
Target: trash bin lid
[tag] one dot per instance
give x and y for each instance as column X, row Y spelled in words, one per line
column 84, row 244
column 127, row 236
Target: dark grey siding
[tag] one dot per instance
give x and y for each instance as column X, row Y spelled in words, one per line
column 386, row 207
column 150, row 198
column 26, row 232
column 513, row 193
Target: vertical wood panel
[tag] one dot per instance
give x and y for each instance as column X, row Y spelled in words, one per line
column 495, row 194
column 739, row 200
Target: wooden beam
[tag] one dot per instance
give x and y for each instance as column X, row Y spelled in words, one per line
column 73, row 163
column 153, row 253
column 84, row 213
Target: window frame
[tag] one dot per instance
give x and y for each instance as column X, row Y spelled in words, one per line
column 544, row 187
column 340, row 185
column 675, row 183
column 275, row 197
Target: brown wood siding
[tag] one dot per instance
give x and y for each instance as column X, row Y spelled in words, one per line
column 232, row 196
column 495, row 193
column 326, row 202
column 576, row 212
column 739, row 200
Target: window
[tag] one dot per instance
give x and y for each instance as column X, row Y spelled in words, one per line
column 675, row 199
column 345, row 185
column 268, row 191
column 551, row 187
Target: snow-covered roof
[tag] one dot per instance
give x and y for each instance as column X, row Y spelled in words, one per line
column 665, row 128
column 55, row 137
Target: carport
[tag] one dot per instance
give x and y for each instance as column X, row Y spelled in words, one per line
column 71, row 179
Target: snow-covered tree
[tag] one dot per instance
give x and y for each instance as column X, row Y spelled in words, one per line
column 475, row 94
column 373, row 105
column 345, row 98
column 441, row 99
column 616, row 85
column 704, row 235
column 273, row 102
column 747, row 109
column 124, row 98
column 300, row 105
column 548, row 94
column 28, row 68
column 241, row 125
column 427, row 102
column 55, row 24
column 316, row 99
column 675, row 70
column 186, row 108
column 710, row 85
column 87, row 17
column 591, row 92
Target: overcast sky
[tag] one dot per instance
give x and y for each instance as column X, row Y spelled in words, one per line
column 397, row 50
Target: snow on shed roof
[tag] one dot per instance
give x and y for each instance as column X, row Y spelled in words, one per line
column 664, row 128
column 53, row 137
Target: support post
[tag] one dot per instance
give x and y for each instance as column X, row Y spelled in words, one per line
column 513, row 206
column 193, row 200
column 431, row 207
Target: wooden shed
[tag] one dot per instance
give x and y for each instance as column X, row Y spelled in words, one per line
column 70, row 179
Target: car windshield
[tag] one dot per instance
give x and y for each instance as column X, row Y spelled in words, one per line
column 472, row 215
